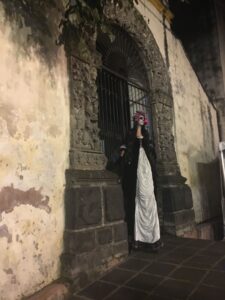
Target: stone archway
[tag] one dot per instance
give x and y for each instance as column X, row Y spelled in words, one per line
column 131, row 21
column 95, row 233
column 122, row 88
column 174, row 196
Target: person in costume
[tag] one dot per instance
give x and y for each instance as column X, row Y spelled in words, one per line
column 138, row 182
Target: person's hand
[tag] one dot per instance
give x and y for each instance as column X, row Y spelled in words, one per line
column 122, row 152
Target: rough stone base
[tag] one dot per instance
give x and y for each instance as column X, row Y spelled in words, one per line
column 54, row 291
column 95, row 237
column 211, row 230
column 178, row 222
column 175, row 197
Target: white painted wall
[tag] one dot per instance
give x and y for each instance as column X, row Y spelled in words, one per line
column 34, row 147
column 195, row 121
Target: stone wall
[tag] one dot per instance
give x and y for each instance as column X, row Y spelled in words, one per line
column 173, row 195
column 95, row 236
column 34, row 143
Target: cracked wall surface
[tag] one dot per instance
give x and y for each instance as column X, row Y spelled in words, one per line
column 34, row 147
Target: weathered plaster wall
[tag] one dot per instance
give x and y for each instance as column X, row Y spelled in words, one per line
column 34, row 147
column 196, row 134
column 195, row 121
column 155, row 22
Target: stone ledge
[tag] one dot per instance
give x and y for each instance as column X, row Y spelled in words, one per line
column 209, row 230
column 53, row 291
column 74, row 177
column 179, row 222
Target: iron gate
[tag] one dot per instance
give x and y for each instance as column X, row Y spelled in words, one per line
column 119, row 99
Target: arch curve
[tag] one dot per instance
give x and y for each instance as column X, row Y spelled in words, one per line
column 122, row 56
column 86, row 155
column 130, row 20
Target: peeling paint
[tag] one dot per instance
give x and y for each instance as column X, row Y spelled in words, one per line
column 35, row 245
column 54, row 131
column 11, row 197
column 34, row 147
column 4, row 232
column 7, row 114
column 13, row 279
column 8, row 271
column 195, row 130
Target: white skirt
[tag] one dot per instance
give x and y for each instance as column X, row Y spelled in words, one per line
column 146, row 227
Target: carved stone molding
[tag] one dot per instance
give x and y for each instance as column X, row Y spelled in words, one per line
column 84, row 113
column 161, row 95
column 87, row 160
column 171, row 185
column 84, row 98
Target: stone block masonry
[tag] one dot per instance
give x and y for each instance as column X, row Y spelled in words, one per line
column 95, row 237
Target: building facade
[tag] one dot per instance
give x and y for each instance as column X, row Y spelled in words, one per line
column 64, row 110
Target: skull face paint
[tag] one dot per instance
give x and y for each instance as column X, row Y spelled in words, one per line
column 140, row 118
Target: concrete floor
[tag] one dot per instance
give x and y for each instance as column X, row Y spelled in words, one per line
column 183, row 269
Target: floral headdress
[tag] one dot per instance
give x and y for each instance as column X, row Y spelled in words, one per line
column 137, row 116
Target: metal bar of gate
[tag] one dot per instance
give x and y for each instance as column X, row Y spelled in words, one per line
column 135, row 84
column 119, row 99
column 222, row 178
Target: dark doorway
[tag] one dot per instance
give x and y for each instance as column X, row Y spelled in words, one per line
column 122, row 89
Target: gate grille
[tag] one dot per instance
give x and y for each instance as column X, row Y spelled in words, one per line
column 119, row 99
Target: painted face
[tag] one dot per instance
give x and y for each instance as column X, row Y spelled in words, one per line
column 141, row 120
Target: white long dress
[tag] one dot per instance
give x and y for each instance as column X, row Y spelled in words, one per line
column 146, row 226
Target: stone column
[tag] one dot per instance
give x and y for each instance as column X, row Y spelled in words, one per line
column 85, row 150
column 174, row 196
column 95, row 232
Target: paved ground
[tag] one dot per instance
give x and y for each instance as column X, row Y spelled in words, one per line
column 184, row 269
